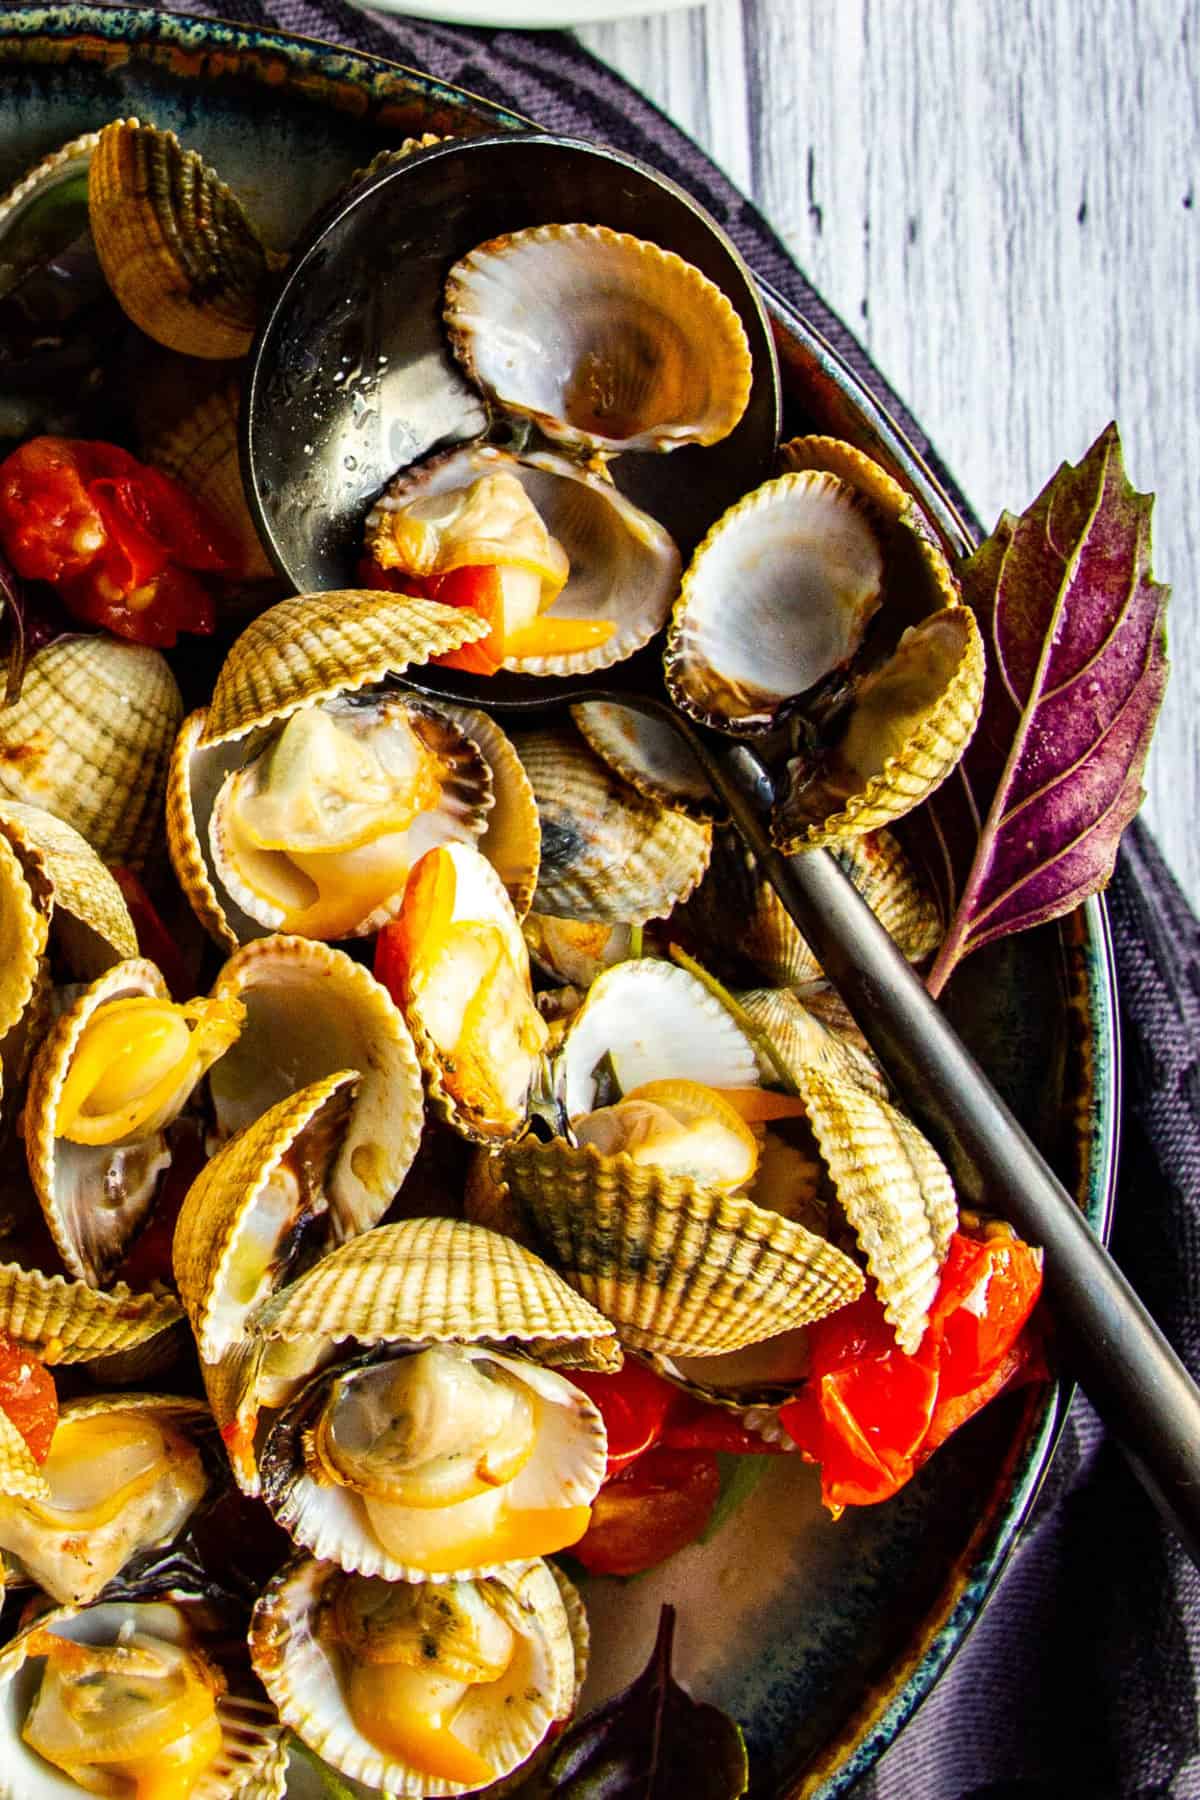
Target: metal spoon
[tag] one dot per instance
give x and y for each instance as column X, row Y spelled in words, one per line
column 350, row 380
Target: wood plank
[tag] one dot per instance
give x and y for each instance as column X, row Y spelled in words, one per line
column 1003, row 200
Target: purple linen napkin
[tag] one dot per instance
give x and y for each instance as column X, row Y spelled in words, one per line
column 1082, row 1675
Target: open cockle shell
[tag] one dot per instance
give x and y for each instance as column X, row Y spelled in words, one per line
column 910, row 721
column 24, row 927
column 251, row 1763
column 404, row 773
column 441, row 1281
column 21, row 1476
column 777, row 597
column 304, row 1665
column 310, row 648
column 648, row 754
column 680, row 1268
column 608, row 854
column 95, row 1195
column 124, row 1474
column 310, row 1012
column 623, row 565
column 194, row 779
column 244, row 1214
column 175, row 244
column 801, row 1041
column 89, row 739
column 877, row 865
column 895, row 1190
column 88, row 915
column 69, row 1322
column 656, row 1023
column 647, row 353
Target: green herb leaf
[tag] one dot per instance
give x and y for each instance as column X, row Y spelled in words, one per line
column 653, row 1742
column 740, row 1475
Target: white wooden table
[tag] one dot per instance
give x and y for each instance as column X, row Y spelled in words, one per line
column 1002, row 199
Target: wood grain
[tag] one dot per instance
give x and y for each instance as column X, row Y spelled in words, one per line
column 1002, row 198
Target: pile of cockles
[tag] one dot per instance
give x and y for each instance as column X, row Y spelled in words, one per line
column 501, row 1078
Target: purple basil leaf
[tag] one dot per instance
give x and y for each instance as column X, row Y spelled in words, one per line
column 652, row 1742
column 1028, row 824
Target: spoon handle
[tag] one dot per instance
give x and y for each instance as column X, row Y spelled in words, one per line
column 1115, row 1350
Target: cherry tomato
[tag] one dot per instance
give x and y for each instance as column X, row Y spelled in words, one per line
column 634, row 1404
column 479, row 589
column 28, row 1396
column 648, row 1513
column 870, row 1414
column 120, row 541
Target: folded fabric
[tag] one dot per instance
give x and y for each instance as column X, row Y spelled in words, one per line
column 1081, row 1676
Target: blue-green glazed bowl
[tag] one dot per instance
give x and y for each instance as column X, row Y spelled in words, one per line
column 821, row 1638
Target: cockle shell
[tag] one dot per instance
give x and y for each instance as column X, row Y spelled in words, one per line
column 503, row 1721
column 801, row 1041
column 608, row 854
column 243, row 1214
column 881, row 871
column 910, row 721
column 93, row 1196
column 895, row 1189
column 24, row 927
column 315, row 646
column 193, row 781
column 88, row 916
column 69, row 1322
column 312, row 1011
column 679, row 1268
column 89, row 739
column 649, row 353
column 175, row 243
column 740, row 926
column 73, row 1556
column 441, row 1281
column 624, row 565
column 21, row 1477
column 512, row 840
column 251, row 1765
column 648, row 754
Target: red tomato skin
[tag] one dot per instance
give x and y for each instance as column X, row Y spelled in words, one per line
column 634, row 1403
column 659, row 1506
column 390, row 967
column 28, row 1396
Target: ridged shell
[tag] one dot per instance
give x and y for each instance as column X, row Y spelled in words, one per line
column 311, row 1012
column 93, row 1196
column 460, row 814
column 23, row 930
column 90, row 919
column 21, row 1477
column 608, row 854
column 624, row 565
column 232, row 1390
column 441, row 1281
column 648, row 353
column 887, row 881
column 512, row 841
column 194, row 778
column 777, row 597
column 89, row 741
column 69, row 1322
column 744, row 1381
column 647, row 754
column 175, row 243
column 252, row 1764
column 803, row 1041
column 678, row 1268
column 300, row 1672
column 201, row 450
column 657, row 1023
column 895, row 1190
column 222, row 1213
column 909, row 724
column 145, row 1364
column 74, row 1565
column 318, row 645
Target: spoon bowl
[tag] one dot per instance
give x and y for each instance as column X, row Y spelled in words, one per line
column 351, row 378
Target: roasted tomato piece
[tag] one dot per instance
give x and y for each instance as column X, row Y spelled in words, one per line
column 654, row 1509
column 634, row 1404
column 28, row 1396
